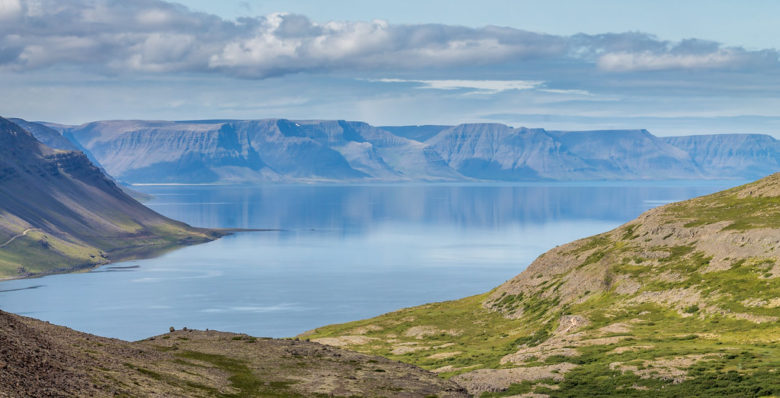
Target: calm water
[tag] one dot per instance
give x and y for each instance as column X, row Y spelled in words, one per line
column 341, row 253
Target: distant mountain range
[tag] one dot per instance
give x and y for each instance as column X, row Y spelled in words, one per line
column 238, row 151
column 58, row 212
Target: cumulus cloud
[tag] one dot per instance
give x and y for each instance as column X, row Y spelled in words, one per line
column 155, row 36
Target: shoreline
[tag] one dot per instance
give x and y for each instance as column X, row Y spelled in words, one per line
column 139, row 253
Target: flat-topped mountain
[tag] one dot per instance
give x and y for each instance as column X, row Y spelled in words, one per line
column 262, row 150
column 58, row 212
column 748, row 155
column 210, row 151
column 43, row 360
column 682, row 301
column 496, row 151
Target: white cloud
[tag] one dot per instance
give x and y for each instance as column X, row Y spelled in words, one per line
column 155, row 36
column 10, row 9
column 153, row 16
column 648, row 61
column 566, row 92
column 488, row 86
column 480, row 86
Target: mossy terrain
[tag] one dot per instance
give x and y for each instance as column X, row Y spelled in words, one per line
column 683, row 301
column 440, row 330
column 737, row 208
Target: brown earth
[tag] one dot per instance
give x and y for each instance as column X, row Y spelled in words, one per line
column 38, row 359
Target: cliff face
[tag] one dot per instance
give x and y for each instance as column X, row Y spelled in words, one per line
column 626, row 154
column 732, row 155
column 233, row 151
column 284, row 150
column 59, row 212
column 495, row 151
column 682, row 301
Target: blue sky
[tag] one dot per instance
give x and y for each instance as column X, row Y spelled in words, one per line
column 672, row 67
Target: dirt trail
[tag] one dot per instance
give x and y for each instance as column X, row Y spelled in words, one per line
column 18, row 236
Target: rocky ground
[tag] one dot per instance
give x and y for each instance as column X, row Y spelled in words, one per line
column 38, row 359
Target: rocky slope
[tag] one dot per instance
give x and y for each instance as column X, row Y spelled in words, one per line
column 38, row 359
column 284, row 150
column 58, row 212
column 682, row 301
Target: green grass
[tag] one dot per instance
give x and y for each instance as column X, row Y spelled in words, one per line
column 747, row 354
column 242, row 378
column 42, row 253
column 740, row 213
column 669, row 332
column 734, row 356
column 477, row 340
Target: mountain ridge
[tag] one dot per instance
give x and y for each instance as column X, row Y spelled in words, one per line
column 282, row 150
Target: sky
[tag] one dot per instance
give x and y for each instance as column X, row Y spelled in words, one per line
column 672, row 67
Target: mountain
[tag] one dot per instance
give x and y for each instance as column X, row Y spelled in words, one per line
column 626, row 154
column 43, row 360
column 46, row 135
column 239, row 151
column 496, row 151
column 58, row 212
column 262, row 150
column 682, row 301
column 732, row 155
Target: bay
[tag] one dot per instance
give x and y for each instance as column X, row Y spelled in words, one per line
column 335, row 253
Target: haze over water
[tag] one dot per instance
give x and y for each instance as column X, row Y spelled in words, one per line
column 339, row 253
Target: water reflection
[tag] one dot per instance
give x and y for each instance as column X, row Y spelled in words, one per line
column 342, row 253
column 355, row 208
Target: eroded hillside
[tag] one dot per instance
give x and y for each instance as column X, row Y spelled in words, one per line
column 684, row 300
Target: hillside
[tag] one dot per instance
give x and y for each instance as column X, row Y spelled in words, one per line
column 230, row 151
column 39, row 359
column 682, row 301
column 59, row 213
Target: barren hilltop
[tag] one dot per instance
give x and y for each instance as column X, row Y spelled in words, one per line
column 38, row 359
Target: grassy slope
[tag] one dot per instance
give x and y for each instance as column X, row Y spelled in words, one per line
column 76, row 216
column 684, row 301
